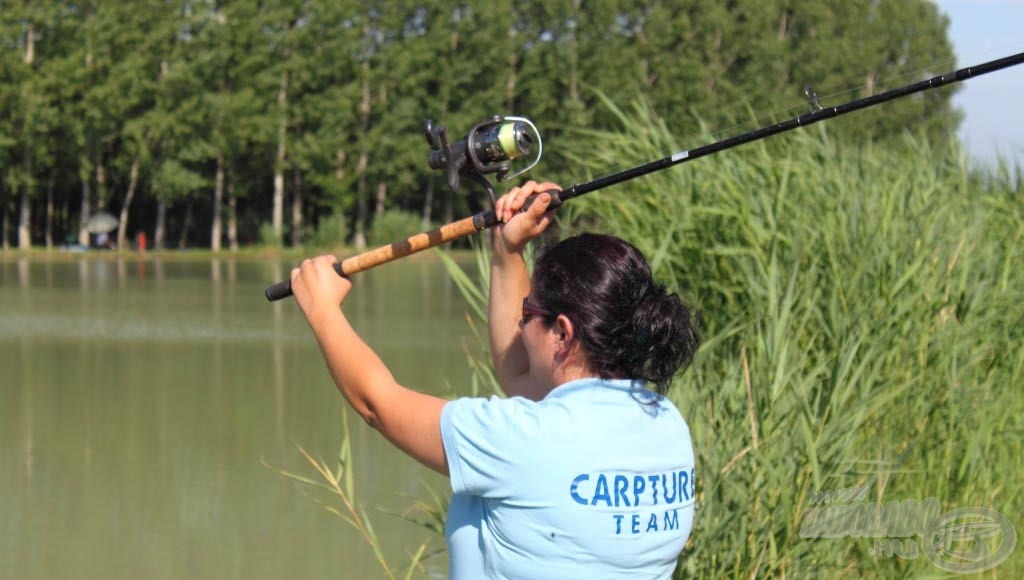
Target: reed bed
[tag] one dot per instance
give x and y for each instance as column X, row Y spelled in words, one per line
column 863, row 317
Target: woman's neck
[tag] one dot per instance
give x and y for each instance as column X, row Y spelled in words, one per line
column 571, row 370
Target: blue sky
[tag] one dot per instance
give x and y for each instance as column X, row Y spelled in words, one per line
column 984, row 30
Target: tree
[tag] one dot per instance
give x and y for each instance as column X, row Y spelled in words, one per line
column 33, row 118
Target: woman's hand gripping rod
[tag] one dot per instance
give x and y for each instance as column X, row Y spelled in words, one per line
column 413, row 244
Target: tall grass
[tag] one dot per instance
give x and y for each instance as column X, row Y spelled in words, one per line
column 863, row 323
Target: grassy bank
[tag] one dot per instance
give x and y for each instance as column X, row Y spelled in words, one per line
column 863, row 317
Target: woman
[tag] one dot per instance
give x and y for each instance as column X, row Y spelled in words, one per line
column 582, row 472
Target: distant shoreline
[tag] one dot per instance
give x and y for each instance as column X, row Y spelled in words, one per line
column 249, row 254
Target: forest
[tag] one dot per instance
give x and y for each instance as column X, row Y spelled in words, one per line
column 284, row 122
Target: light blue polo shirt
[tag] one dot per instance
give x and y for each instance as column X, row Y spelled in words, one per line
column 594, row 481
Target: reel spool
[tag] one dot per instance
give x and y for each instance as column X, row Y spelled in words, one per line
column 489, row 147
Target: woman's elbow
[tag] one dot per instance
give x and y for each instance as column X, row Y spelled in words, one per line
column 366, row 410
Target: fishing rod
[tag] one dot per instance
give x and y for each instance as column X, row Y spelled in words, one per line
column 491, row 146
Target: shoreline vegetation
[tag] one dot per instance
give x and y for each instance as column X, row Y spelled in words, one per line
column 862, row 319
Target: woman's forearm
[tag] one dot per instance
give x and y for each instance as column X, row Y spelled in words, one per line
column 409, row 419
column 510, row 283
column 359, row 373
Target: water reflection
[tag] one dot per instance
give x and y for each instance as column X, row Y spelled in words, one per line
column 277, row 355
column 24, row 275
column 25, row 383
column 122, row 274
column 83, row 274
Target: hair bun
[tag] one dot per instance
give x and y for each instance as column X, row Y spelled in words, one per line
column 628, row 325
column 664, row 336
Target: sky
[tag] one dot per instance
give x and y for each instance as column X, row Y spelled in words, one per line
column 984, row 30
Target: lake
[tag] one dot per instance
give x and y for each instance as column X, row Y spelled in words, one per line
column 147, row 404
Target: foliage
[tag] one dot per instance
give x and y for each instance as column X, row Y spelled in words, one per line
column 394, row 225
column 315, row 105
column 331, row 232
column 269, row 237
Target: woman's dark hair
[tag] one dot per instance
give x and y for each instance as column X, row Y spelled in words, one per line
column 628, row 325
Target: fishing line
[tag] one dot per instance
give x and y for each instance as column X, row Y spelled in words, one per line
column 987, row 53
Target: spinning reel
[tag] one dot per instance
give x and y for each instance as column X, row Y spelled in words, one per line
column 489, row 147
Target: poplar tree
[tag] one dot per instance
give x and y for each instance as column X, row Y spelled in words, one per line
column 326, row 121
column 33, row 30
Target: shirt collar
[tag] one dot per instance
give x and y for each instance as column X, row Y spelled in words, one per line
column 623, row 385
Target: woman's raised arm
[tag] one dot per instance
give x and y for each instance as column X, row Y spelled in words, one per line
column 510, row 283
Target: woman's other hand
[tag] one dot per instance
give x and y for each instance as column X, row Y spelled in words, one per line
column 317, row 286
column 519, row 228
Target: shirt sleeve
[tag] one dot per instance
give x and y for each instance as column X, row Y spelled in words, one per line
column 487, row 442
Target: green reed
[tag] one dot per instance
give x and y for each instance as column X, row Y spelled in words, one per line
column 862, row 316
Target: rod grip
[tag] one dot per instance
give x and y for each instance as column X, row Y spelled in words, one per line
column 556, row 199
column 279, row 291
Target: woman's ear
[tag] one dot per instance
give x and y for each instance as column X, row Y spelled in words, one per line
column 564, row 334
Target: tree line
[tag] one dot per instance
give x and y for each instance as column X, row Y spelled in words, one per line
column 219, row 123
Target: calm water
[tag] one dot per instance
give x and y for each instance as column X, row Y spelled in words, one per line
column 139, row 400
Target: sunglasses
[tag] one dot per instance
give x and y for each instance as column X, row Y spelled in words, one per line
column 530, row 310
